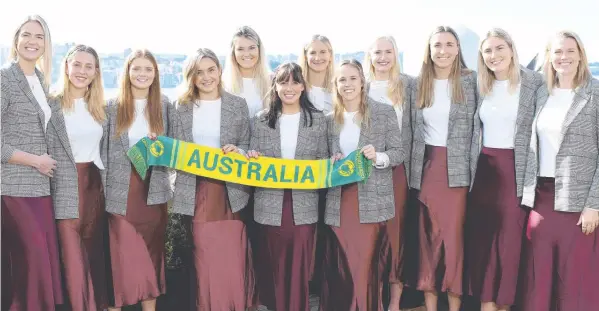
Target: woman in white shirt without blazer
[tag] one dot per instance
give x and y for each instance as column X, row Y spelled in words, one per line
column 386, row 84
column 500, row 143
column 562, row 184
column 317, row 61
column 74, row 138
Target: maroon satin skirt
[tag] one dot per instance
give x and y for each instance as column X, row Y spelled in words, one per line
column 222, row 257
column 31, row 279
column 354, row 260
column 283, row 262
column 441, row 226
column 562, row 265
column 82, row 245
column 395, row 226
column 137, row 247
column 494, row 229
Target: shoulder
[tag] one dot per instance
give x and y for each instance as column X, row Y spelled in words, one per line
column 378, row 108
column 532, row 78
column 233, row 99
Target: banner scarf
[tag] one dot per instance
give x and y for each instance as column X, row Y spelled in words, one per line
column 233, row 167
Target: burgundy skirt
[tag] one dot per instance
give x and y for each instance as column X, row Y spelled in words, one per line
column 562, row 263
column 441, row 226
column 283, row 262
column 82, row 245
column 137, row 247
column 31, row 279
column 395, row 225
column 224, row 279
column 494, row 229
column 354, row 261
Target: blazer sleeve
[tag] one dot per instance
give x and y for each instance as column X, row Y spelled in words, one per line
column 254, row 143
column 7, row 150
column 245, row 134
column 593, row 199
column 392, row 137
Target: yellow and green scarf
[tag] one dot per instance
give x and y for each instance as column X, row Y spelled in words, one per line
column 263, row 172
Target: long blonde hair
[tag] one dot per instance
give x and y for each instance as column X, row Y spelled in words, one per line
column 94, row 95
column 233, row 78
column 427, row 73
column 191, row 92
column 486, row 77
column 330, row 71
column 126, row 103
column 44, row 63
column 583, row 73
column 338, row 107
column 395, row 89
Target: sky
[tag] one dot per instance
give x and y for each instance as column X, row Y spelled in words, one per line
column 178, row 26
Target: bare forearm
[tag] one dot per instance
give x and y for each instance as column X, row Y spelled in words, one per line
column 24, row 158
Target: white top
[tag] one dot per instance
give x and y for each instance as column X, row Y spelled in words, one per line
column 289, row 128
column 40, row 97
column 436, row 118
column 140, row 127
column 321, row 99
column 379, row 91
column 349, row 137
column 84, row 134
column 549, row 127
column 498, row 113
column 252, row 96
column 206, row 123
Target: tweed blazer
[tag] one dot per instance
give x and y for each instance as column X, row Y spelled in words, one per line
column 234, row 129
column 459, row 136
column 375, row 196
column 23, row 122
column 406, row 123
column 530, row 82
column 311, row 145
column 118, row 166
column 577, row 161
column 64, row 185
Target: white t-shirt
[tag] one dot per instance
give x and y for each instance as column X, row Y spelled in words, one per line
column 436, row 118
column 40, row 97
column 140, row 127
column 289, row 128
column 498, row 113
column 206, row 123
column 252, row 96
column 321, row 99
column 84, row 134
column 379, row 92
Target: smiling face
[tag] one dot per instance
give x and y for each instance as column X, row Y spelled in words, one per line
column 207, row 76
column 349, row 84
column 81, row 69
column 382, row 56
column 497, row 55
column 289, row 91
column 318, row 56
column 443, row 49
column 565, row 56
column 141, row 73
column 30, row 43
column 247, row 52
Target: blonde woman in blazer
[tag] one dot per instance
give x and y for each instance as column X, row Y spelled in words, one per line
column 29, row 245
column 562, row 184
column 137, row 208
column 75, row 132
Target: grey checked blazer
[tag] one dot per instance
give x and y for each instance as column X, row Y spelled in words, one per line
column 234, row 129
column 406, row 120
column 118, row 166
column 23, row 124
column 577, row 161
column 311, row 145
column 375, row 196
column 459, row 136
column 530, row 82
column 64, row 185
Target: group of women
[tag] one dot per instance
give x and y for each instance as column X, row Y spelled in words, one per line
column 502, row 167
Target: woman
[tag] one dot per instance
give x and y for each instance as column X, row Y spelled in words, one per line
column 291, row 129
column 30, row 265
column 137, row 208
column 246, row 72
column 209, row 116
column 443, row 105
column 358, row 213
column 503, row 125
column 74, row 136
column 389, row 86
column 562, row 184
column 317, row 61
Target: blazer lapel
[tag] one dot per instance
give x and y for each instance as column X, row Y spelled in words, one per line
column 24, row 85
column 275, row 137
column 526, row 101
column 186, row 115
column 57, row 121
column 581, row 98
column 364, row 131
column 227, row 115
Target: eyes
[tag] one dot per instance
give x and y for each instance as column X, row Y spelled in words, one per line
column 78, row 65
column 250, row 48
column 138, row 69
column 210, row 70
column 344, row 79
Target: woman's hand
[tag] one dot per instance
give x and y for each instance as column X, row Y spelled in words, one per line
column 336, row 157
column 152, row 136
column 46, row 165
column 230, row 148
column 253, row 154
column 369, row 152
column 589, row 219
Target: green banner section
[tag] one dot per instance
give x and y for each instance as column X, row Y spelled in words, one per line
column 263, row 172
